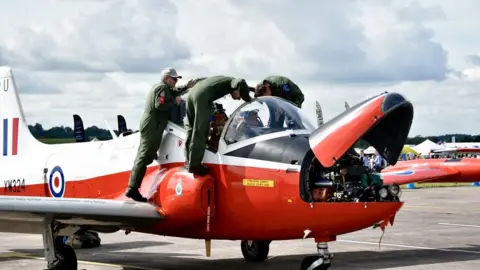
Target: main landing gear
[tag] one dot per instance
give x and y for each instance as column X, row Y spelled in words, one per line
column 320, row 262
column 255, row 251
column 58, row 255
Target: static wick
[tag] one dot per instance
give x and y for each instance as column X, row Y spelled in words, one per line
column 306, row 233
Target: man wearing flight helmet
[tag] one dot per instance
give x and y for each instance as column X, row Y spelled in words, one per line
column 285, row 88
column 280, row 86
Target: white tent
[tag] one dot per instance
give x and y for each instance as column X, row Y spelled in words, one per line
column 426, row 146
column 369, row 151
column 357, row 150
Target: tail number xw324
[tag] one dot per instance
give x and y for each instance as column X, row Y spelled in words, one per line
column 15, row 185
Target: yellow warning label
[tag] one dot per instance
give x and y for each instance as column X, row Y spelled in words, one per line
column 258, row 183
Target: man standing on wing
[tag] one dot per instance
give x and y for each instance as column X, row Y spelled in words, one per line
column 159, row 103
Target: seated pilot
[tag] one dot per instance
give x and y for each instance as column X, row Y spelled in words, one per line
column 279, row 118
column 241, row 126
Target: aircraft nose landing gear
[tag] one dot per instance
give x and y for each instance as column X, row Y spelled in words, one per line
column 320, row 262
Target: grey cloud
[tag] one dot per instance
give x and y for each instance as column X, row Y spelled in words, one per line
column 334, row 46
column 331, row 47
column 420, row 59
column 119, row 37
column 3, row 59
column 417, row 13
column 472, row 58
column 32, row 84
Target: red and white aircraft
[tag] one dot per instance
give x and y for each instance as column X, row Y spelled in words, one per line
column 456, row 150
column 274, row 176
column 436, row 170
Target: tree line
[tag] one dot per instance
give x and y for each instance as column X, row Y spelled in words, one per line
column 63, row 132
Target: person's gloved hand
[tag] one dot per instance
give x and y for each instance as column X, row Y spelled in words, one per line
column 191, row 83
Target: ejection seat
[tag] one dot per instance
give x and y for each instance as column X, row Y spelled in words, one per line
column 249, row 124
column 244, row 126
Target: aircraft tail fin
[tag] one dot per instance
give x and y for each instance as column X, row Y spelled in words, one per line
column 122, row 124
column 16, row 136
column 79, row 129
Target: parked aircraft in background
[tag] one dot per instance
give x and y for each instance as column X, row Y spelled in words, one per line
column 122, row 127
column 457, row 151
column 79, row 129
column 435, row 170
column 319, row 112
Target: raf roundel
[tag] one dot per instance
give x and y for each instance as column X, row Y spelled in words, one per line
column 405, row 173
column 56, row 182
column 179, row 189
column 400, row 173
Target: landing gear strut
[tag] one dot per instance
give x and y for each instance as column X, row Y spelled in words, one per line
column 255, row 251
column 320, row 262
column 58, row 255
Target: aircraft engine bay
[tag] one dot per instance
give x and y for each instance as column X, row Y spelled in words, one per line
column 347, row 181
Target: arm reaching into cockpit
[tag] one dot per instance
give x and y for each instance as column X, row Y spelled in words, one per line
column 182, row 90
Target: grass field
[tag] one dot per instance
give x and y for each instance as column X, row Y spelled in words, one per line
column 57, row 141
column 60, row 140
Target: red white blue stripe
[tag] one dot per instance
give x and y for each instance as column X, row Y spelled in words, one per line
column 10, row 136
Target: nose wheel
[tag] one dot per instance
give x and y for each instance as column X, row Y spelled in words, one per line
column 320, row 262
column 254, row 250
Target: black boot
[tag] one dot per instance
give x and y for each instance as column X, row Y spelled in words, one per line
column 135, row 195
column 200, row 170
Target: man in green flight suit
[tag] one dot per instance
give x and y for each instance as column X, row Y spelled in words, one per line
column 199, row 110
column 155, row 117
column 280, row 86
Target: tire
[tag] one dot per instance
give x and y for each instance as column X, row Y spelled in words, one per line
column 256, row 252
column 84, row 239
column 66, row 258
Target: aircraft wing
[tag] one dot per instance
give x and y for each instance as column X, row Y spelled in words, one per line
column 417, row 175
column 73, row 211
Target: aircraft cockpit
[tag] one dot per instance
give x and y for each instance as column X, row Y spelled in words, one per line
column 261, row 116
column 265, row 115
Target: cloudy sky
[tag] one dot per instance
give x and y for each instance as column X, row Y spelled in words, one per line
column 99, row 58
